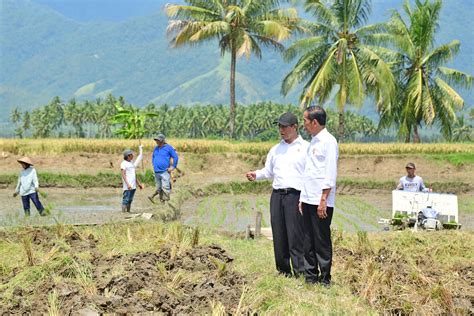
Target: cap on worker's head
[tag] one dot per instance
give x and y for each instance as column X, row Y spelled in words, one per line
column 127, row 152
column 160, row 137
column 287, row 119
column 410, row 165
column 26, row 160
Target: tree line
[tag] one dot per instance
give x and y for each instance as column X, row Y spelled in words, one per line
column 114, row 117
column 395, row 63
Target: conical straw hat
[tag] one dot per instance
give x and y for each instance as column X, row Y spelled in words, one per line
column 25, row 160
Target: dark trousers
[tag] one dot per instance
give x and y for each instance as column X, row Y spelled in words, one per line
column 287, row 229
column 25, row 199
column 318, row 245
column 128, row 197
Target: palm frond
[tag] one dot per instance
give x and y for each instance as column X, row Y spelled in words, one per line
column 303, row 46
column 210, row 30
column 449, row 93
column 245, row 47
column 323, row 79
column 274, row 30
column 184, row 12
column 441, row 54
column 306, row 67
column 269, row 42
column 376, row 28
column 455, row 77
column 356, row 85
column 321, row 12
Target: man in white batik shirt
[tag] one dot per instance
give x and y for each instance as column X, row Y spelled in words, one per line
column 285, row 165
column 317, row 198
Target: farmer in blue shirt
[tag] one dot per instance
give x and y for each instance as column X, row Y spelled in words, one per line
column 161, row 164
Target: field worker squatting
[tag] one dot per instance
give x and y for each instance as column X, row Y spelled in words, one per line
column 162, row 154
column 285, row 165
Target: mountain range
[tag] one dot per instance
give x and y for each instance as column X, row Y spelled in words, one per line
column 88, row 49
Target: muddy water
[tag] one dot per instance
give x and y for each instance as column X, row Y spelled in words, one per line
column 73, row 206
column 353, row 212
column 358, row 211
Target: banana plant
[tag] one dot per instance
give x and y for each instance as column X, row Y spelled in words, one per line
column 132, row 121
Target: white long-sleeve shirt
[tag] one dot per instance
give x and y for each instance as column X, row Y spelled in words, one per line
column 285, row 164
column 320, row 169
column 27, row 182
column 130, row 170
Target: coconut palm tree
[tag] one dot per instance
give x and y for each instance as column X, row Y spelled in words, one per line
column 241, row 27
column 425, row 86
column 339, row 55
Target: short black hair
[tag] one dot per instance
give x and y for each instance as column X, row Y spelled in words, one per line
column 317, row 113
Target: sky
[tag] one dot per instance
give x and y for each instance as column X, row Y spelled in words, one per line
column 103, row 10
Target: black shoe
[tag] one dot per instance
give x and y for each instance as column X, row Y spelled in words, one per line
column 43, row 213
column 27, row 213
column 326, row 282
column 311, row 281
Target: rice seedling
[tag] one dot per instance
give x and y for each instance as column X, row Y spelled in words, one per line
column 174, row 285
column 217, row 308
column 221, row 267
column 54, row 304
column 30, row 258
column 84, row 277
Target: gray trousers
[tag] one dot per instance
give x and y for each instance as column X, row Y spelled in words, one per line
column 163, row 185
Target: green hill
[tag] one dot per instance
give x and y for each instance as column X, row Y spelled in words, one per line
column 44, row 54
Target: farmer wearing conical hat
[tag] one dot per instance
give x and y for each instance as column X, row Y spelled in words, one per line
column 28, row 186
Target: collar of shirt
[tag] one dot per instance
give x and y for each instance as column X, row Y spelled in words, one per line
column 319, row 136
column 298, row 140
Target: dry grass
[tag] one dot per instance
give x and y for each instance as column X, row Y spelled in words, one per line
column 387, row 273
column 115, row 146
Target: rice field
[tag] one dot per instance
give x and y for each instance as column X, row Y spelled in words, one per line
column 114, row 146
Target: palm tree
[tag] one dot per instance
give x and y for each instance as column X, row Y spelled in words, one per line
column 340, row 54
column 425, row 91
column 240, row 26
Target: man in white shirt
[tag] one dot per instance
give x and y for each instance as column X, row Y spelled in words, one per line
column 318, row 196
column 129, row 177
column 411, row 182
column 285, row 165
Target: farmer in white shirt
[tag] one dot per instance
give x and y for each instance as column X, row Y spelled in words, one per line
column 285, row 165
column 28, row 186
column 318, row 196
column 412, row 182
column 129, row 177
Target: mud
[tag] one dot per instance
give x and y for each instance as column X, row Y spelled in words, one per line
column 166, row 281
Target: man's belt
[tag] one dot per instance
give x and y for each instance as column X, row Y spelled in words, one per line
column 286, row 191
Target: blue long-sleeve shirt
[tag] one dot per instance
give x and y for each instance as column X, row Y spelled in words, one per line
column 161, row 158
